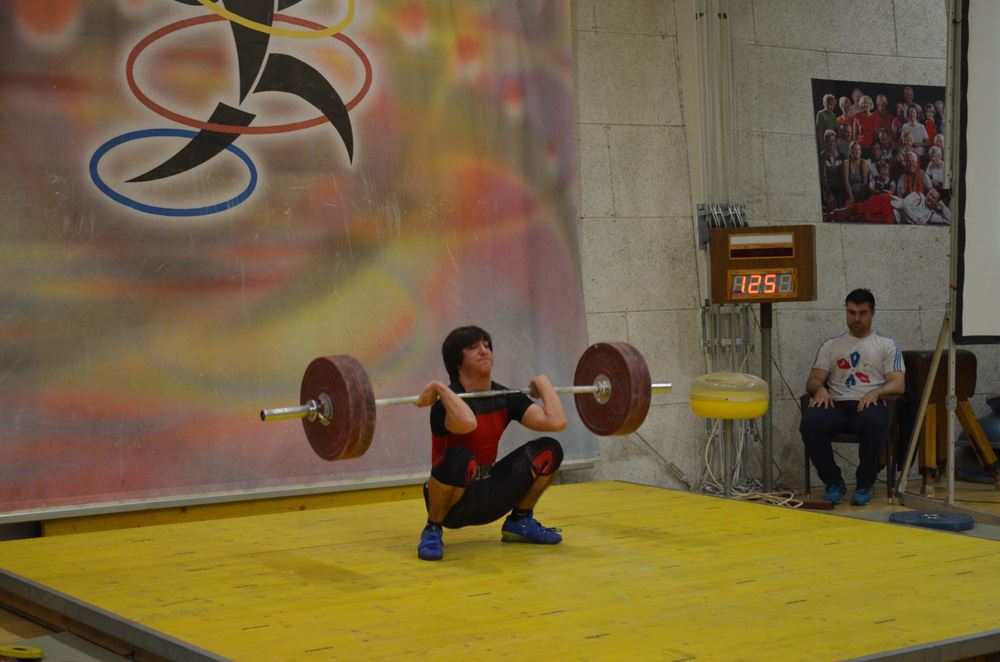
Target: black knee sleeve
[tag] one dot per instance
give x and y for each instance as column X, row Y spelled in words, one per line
column 457, row 469
column 545, row 455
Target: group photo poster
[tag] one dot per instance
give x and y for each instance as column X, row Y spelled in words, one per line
column 881, row 152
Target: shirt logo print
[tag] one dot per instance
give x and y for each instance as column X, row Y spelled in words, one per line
column 855, row 376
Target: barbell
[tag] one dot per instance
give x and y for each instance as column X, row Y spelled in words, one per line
column 612, row 391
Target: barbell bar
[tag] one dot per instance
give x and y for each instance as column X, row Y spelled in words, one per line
column 612, row 391
column 321, row 407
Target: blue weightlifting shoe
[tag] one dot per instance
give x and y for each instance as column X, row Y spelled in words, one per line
column 862, row 496
column 431, row 547
column 528, row 529
column 835, row 493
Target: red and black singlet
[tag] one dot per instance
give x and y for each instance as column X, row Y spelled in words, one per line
column 492, row 417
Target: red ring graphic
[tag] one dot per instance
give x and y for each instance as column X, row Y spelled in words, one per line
column 229, row 128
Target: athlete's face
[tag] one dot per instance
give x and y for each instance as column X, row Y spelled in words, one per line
column 477, row 359
column 859, row 319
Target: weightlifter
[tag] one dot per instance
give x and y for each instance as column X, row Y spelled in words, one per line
column 467, row 485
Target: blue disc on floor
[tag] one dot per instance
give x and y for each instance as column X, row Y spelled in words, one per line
column 935, row 519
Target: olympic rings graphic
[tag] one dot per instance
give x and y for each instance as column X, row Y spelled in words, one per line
column 168, row 211
column 315, row 33
column 229, row 128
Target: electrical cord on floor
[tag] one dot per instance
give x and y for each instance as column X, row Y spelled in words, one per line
column 751, row 489
column 785, row 498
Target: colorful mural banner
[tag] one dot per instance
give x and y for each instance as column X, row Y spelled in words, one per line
column 201, row 197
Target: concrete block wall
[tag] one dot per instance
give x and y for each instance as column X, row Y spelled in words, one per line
column 637, row 234
column 637, row 231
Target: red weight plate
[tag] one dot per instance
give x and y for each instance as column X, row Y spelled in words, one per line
column 352, row 424
column 365, row 412
column 631, row 388
column 640, row 372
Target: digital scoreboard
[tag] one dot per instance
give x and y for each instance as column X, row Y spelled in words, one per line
column 763, row 264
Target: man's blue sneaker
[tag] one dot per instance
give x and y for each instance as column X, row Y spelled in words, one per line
column 431, row 547
column 528, row 529
column 835, row 493
column 862, row 496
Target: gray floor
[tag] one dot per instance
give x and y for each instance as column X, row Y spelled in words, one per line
column 980, row 530
column 66, row 647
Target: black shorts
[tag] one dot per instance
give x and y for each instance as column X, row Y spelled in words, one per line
column 488, row 499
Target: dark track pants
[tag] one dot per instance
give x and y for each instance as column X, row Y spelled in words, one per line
column 871, row 425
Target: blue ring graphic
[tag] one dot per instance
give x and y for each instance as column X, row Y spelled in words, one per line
column 168, row 211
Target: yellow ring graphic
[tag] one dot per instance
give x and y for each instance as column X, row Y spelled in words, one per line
column 282, row 32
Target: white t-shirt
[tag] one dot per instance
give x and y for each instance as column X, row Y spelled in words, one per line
column 858, row 365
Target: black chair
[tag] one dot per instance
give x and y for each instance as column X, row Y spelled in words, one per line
column 892, row 404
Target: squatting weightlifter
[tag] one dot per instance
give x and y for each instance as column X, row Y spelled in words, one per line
column 467, row 485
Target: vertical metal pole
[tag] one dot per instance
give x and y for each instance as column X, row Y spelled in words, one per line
column 727, row 457
column 734, row 355
column 955, row 131
column 705, row 338
column 765, row 370
column 748, row 347
column 717, row 358
column 951, row 401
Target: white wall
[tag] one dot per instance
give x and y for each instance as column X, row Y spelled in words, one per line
column 636, row 225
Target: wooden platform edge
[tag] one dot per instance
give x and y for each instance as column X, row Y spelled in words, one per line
column 203, row 512
column 96, row 625
column 969, row 647
column 103, row 516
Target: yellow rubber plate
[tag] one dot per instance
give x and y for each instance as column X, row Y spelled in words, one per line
column 21, row 652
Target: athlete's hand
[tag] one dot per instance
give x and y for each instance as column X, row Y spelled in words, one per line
column 538, row 385
column 429, row 395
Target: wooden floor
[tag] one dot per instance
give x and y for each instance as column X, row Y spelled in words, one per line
column 643, row 573
column 13, row 628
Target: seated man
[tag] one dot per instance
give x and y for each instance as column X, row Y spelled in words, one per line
column 465, row 486
column 850, row 374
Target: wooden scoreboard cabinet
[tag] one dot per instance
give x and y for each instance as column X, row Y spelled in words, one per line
column 763, row 264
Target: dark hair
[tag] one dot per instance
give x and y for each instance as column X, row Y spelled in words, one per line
column 860, row 296
column 457, row 340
